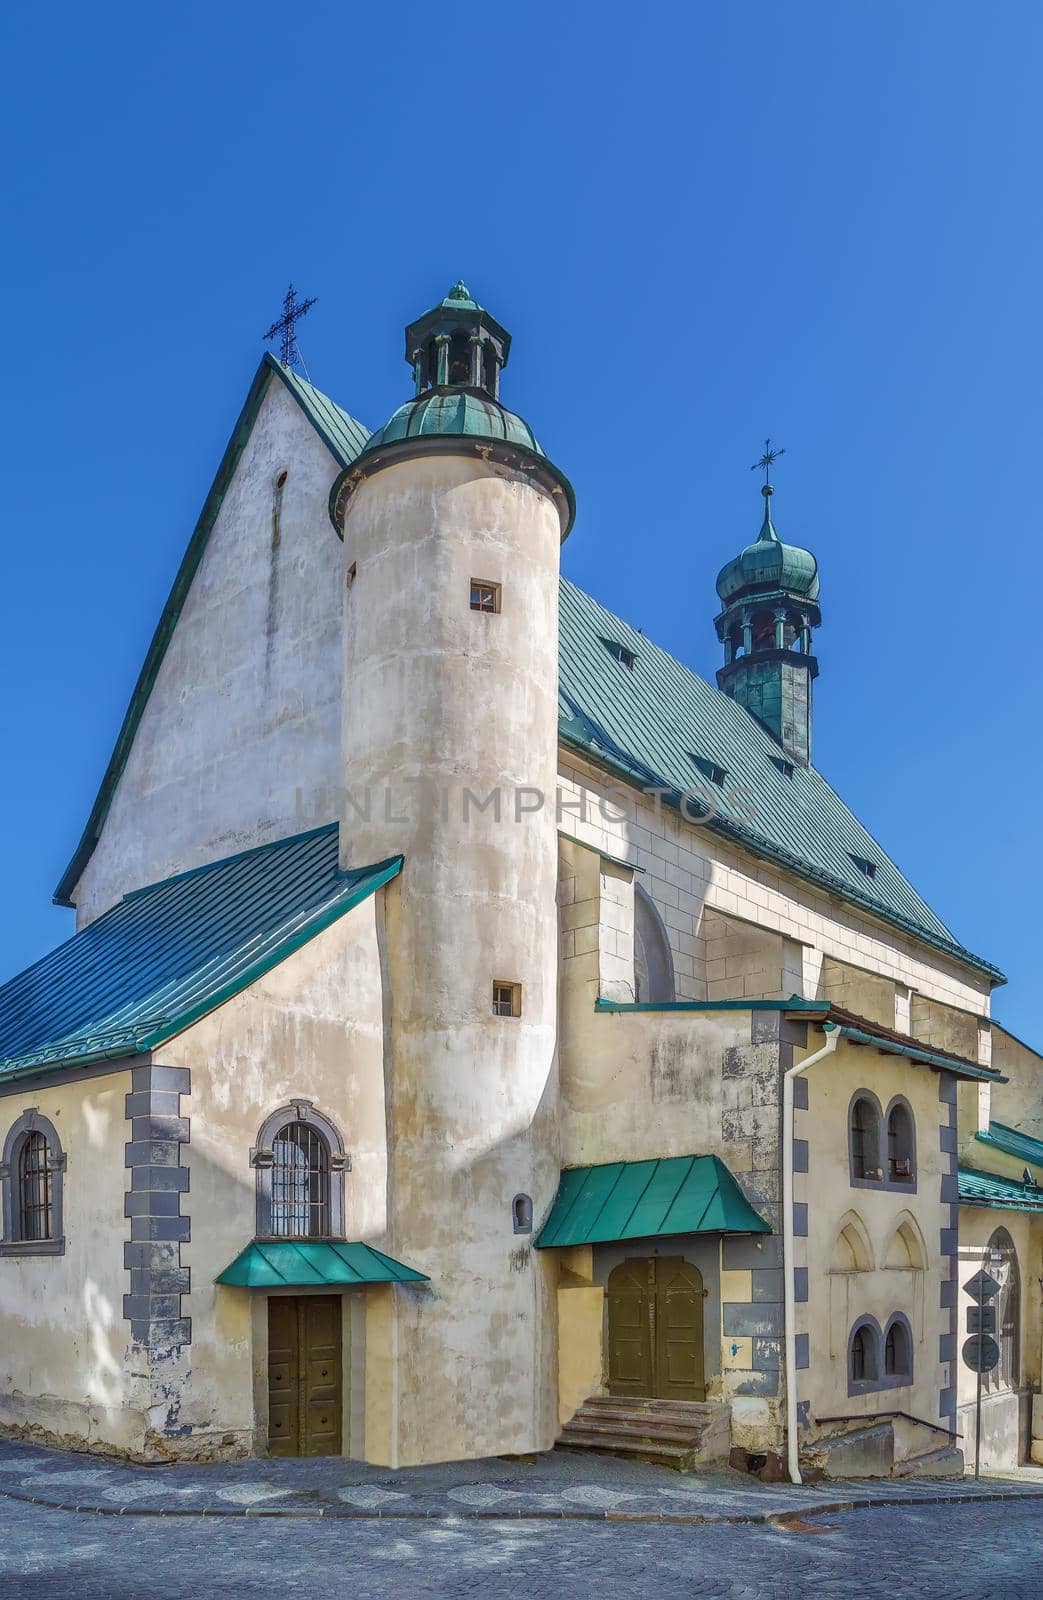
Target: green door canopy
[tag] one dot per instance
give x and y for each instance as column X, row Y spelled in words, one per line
column 300, row 1263
column 643, row 1199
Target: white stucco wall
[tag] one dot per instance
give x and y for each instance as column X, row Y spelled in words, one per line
column 64, row 1371
column 245, row 711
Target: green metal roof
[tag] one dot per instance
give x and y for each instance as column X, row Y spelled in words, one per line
column 644, row 1199
column 456, row 412
column 643, row 726
column 646, row 724
column 1013, row 1143
column 344, row 438
column 166, row 955
column 301, row 1263
column 768, row 564
column 989, row 1189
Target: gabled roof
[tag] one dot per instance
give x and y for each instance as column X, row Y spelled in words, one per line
column 643, row 1199
column 989, row 1189
column 1021, row 1146
column 644, row 725
column 344, row 438
column 168, row 954
column 648, row 722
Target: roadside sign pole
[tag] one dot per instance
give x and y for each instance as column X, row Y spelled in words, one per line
column 977, row 1402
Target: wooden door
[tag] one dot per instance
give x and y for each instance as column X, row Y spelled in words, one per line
column 305, row 1389
column 678, row 1327
column 630, row 1330
column 655, row 1329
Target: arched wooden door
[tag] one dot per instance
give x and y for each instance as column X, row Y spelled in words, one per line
column 655, row 1329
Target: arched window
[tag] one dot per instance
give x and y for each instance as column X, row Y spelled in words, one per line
column 300, row 1163
column 898, row 1351
column 863, row 1357
column 653, row 962
column 300, row 1183
column 864, row 1129
column 521, row 1212
column 32, row 1180
column 901, row 1144
column 1001, row 1260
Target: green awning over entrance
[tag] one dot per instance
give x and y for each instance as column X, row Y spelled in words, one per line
column 642, row 1199
column 304, row 1263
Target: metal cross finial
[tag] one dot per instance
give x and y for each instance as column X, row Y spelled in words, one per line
column 767, row 460
column 284, row 330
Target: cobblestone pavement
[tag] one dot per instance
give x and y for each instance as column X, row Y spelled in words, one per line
column 558, row 1484
column 960, row 1552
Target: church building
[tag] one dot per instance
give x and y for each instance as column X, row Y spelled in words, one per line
column 482, row 1032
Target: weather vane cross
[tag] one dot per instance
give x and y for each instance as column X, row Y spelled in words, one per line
column 767, row 460
column 284, row 328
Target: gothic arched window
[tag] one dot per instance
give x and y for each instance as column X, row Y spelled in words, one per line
column 898, row 1351
column 653, row 962
column 863, row 1356
column 300, row 1163
column 901, row 1144
column 32, row 1180
column 864, row 1127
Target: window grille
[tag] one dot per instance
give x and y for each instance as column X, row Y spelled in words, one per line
column 300, row 1183
column 506, row 999
column 34, row 1189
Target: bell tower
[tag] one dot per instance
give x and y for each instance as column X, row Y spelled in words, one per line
column 452, row 520
column 770, row 596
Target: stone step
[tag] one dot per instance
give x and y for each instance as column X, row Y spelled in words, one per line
column 676, row 1433
column 682, row 1457
column 585, row 1428
column 686, row 1413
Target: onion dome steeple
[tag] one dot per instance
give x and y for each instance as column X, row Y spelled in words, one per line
column 770, row 594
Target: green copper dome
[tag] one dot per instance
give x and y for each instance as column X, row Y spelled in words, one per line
column 459, row 413
column 770, row 565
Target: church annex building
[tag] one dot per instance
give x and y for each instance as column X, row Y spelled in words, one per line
column 480, row 1031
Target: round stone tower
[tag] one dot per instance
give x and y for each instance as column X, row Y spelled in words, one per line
column 452, row 520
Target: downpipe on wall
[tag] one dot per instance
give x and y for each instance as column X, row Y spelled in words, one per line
column 788, row 1280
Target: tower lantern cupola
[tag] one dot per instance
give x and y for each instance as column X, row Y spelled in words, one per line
column 770, row 596
column 457, row 345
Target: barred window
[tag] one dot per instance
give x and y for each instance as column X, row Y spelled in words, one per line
column 300, row 1162
column 34, row 1189
column 31, row 1179
column 300, row 1183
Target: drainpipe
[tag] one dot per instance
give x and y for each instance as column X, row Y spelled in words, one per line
column 789, row 1284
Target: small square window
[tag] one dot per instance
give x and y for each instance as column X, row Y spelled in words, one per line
column 506, row 999
column 484, row 596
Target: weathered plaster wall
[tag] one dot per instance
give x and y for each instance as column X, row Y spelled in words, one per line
column 313, row 1028
column 245, row 711
column 688, row 870
column 1018, row 1103
column 462, row 700
column 64, row 1369
column 837, row 1284
column 867, row 994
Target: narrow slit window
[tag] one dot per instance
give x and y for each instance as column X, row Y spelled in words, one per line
column 506, row 999
column 485, row 596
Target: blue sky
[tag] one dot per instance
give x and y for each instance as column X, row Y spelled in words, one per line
column 703, row 223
